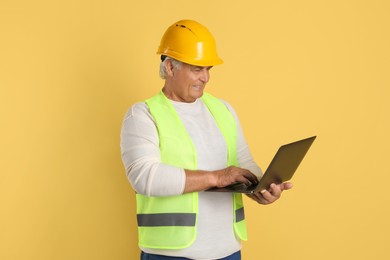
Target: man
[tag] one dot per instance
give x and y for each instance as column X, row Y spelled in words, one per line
column 182, row 142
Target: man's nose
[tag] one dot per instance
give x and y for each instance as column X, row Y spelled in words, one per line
column 205, row 75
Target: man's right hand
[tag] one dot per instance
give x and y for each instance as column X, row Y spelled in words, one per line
column 232, row 175
column 198, row 180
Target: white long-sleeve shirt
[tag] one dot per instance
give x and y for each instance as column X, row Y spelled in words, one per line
column 149, row 176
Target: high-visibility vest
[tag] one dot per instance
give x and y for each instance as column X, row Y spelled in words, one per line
column 170, row 222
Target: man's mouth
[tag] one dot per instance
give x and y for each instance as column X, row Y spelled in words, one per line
column 197, row 87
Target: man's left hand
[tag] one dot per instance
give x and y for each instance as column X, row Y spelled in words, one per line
column 272, row 194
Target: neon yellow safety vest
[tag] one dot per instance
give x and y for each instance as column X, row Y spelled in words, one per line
column 170, row 222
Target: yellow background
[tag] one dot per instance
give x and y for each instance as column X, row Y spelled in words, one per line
column 70, row 69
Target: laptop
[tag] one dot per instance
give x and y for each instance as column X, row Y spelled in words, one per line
column 281, row 169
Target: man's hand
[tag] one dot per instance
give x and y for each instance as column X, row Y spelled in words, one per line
column 232, row 175
column 198, row 180
column 272, row 194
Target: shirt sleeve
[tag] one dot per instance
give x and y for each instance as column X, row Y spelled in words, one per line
column 141, row 156
column 244, row 155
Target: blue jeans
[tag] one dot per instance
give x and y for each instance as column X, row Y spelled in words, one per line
column 146, row 256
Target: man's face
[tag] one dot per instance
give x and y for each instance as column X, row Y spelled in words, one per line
column 188, row 82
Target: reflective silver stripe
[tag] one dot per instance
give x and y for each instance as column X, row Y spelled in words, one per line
column 166, row 219
column 240, row 214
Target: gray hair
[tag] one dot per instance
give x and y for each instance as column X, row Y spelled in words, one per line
column 176, row 64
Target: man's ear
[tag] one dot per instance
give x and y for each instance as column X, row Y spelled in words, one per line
column 169, row 67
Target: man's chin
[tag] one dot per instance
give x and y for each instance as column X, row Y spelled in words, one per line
column 197, row 92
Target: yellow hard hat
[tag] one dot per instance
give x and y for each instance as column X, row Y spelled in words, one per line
column 190, row 42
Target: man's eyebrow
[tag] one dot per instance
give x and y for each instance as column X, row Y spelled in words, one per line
column 203, row 67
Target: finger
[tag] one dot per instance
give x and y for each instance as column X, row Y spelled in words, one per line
column 245, row 180
column 258, row 198
column 250, row 176
column 267, row 196
column 276, row 190
column 287, row 186
column 245, row 176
